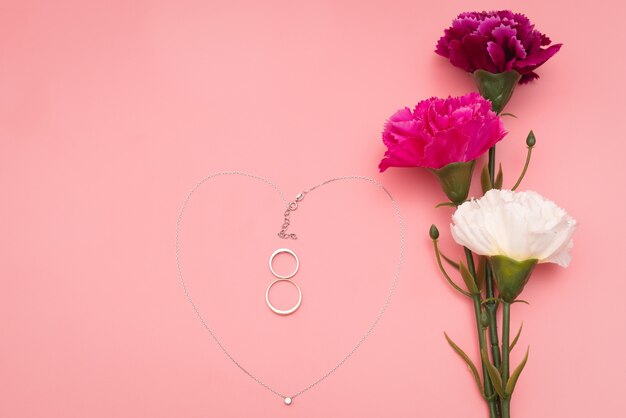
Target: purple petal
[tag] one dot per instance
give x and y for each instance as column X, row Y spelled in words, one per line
column 488, row 25
column 497, row 55
column 495, row 41
column 528, row 77
column 545, row 40
column 502, row 34
column 537, row 58
column 443, row 48
column 463, row 26
column 517, row 48
column 472, row 53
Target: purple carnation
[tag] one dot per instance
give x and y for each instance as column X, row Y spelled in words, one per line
column 496, row 41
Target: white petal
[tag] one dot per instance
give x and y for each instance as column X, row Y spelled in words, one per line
column 520, row 225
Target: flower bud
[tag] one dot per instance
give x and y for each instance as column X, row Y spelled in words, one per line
column 530, row 139
column 497, row 87
column 455, row 180
column 434, row 232
column 511, row 275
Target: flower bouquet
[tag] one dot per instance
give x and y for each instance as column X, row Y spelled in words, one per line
column 505, row 233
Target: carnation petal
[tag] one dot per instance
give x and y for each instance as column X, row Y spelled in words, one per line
column 487, row 26
column 473, row 52
column 503, row 33
column 488, row 133
column 495, row 41
column 528, row 77
column 519, row 225
column 517, row 49
column 449, row 146
column 441, row 131
column 496, row 52
column 537, row 58
column 458, row 57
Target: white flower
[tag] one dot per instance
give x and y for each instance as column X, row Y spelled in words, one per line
column 519, row 225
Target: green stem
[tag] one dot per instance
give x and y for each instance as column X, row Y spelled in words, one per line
column 445, row 273
column 521, row 177
column 505, row 402
column 491, row 305
column 492, row 163
column 482, row 341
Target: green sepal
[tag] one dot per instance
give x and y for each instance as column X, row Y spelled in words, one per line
column 511, row 275
column 455, row 180
column 519, row 332
column 494, row 374
column 508, row 114
column 470, row 283
column 497, row 87
column 497, row 184
column 510, row 385
column 469, row 363
column 485, row 181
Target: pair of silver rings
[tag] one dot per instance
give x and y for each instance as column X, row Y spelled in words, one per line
column 283, row 278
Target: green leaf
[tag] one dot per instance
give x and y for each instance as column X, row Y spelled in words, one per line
column 449, row 261
column 494, row 374
column 469, row 363
column 485, row 182
column 470, row 283
column 519, row 332
column 510, row 385
column 497, row 184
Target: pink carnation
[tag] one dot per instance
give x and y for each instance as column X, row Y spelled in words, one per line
column 441, row 131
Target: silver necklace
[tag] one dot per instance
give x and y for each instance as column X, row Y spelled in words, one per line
column 290, row 207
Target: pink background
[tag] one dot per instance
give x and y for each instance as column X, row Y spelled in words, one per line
column 111, row 111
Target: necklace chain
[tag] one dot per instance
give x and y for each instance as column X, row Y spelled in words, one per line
column 290, row 207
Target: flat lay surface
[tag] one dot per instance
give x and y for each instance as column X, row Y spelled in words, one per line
column 110, row 112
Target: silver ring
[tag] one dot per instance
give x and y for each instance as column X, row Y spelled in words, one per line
column 284, row 250
column 280, row 311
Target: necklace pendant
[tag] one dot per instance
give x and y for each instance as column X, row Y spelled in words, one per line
column 287, row 400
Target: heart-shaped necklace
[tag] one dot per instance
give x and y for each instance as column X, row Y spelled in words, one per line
column 289, row 208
